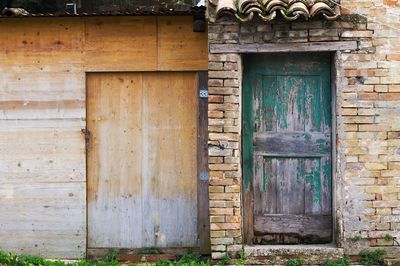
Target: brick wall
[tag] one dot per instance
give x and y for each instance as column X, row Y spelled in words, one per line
column 368, row 123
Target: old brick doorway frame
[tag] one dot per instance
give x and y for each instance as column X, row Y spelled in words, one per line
column 232, row 53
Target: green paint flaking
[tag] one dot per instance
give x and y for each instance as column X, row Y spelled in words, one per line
column 265, row 183
column 281, row 104
column 268, row 81
column 300, row 172
column 313, row 178
column 315, row 104
column 321, row 143
column 327, row 170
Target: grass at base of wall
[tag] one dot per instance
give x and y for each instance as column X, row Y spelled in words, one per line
column 10, row 259
column 110, row 259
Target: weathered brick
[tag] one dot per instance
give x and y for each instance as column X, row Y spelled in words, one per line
column 225, row 226
column 222, row 240
column 215, row 99
column 357, row 34
column 223, row 166
column 221, row 211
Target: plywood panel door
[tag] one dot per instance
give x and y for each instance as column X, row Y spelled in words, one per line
column 142, row 160
column 287, row 147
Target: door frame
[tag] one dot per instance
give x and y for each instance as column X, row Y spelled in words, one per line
column 336, row 165
column 203, row 222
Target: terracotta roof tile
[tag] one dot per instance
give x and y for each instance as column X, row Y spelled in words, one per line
column 246, row 10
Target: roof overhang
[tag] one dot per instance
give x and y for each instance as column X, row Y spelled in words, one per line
column 267, row 10
column 196, row 11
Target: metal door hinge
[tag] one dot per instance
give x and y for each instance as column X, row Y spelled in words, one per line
column 87, row 137
column 203, row 94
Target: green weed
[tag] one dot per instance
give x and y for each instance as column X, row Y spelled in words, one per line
column 150, row 251
column 189, row 259
column 388, row 237
column 225, row 260
column 294, row 262
column 345, row 261
column 372, row 257
column 356, row 238
column 10, row 259
column 111, row 256
column 240, row 258
column 164, row 263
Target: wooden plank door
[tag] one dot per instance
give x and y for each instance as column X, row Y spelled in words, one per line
column 142, row 160
column 287, row 148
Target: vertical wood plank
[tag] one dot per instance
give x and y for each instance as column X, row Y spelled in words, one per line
column 247, row 155
column 114, row 159
column 170, row 154
column 202, row 166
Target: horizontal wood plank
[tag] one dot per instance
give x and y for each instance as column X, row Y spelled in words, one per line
column 283, row 47
column 303, row 225
column 292, row 144
column 38, row 155
column 179, row 48
column 46, row 219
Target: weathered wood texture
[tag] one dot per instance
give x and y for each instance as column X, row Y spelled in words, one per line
column 142, row 160
column 289, row 163
column 283, row 47
column 202, row 165
column 42, row 97
column 309, row 225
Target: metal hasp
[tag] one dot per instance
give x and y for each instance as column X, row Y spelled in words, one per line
column 87, row 137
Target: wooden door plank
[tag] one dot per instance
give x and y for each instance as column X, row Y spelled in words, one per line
column 114, row 160
column 303, row 225
column 247, row 158
column 305, row 144
column 202, row 166
column 170, row 171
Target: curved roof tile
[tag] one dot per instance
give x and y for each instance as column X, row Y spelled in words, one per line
column 246, row 10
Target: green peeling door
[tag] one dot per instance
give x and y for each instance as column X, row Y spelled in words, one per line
column 287, row 148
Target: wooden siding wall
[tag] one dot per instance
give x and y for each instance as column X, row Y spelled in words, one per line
column 43, row 62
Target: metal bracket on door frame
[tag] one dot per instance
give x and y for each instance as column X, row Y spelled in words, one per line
column 204, row 176
column 203, row 94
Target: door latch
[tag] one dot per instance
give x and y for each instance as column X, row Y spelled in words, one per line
column 87, row 137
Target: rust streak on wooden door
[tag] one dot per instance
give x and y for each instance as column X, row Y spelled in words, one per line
column 142, row 160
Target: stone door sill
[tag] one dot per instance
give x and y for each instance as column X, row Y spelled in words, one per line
column 280, row 254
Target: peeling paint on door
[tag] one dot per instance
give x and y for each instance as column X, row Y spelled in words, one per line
column 287, row 146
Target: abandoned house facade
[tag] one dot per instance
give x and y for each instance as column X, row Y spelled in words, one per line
column 274, row 131
column 304, row 109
